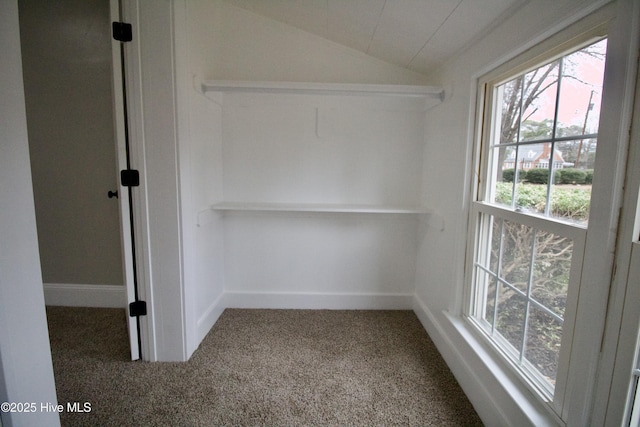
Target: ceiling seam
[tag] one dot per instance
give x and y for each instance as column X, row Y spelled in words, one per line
column 376, row 28
column 433, row 34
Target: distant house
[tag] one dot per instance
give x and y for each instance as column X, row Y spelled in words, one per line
column 535, row 156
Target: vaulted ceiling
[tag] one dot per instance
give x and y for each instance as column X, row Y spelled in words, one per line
column 414, row 34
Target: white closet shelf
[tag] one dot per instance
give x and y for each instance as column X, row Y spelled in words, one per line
column 313, row 207
column 432, row 92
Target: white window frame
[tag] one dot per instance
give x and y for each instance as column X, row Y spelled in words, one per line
column 579, row 357
column 578, row 236
column 613, row 394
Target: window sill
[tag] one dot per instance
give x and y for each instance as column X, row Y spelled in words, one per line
column 521, row 401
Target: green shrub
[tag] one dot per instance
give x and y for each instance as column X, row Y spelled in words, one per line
column 557, row 176
column 588, row 178
column 538, row 176
column 503, row 193
column 508, row 174
column 529, row 197
column 571, row 176
column 571, row 203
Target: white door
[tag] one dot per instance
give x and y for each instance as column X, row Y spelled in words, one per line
column 126, row 217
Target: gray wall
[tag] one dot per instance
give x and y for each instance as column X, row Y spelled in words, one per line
column 66, row 50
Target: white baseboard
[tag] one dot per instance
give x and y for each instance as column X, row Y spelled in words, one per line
column 498, row 397
column 78, row 295
column 473, row 388
column 209, row 318
column 318, row 301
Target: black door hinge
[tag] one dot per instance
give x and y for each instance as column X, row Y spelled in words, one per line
column 138, row 308
column 130, row 178
column 122, row 31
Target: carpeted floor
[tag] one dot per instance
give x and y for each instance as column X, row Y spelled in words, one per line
column 260, row 367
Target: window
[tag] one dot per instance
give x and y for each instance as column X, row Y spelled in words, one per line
column 530, row 217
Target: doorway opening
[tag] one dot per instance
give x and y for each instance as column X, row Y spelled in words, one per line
column 75, row 118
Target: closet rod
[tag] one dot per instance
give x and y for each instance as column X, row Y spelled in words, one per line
column 415, row 91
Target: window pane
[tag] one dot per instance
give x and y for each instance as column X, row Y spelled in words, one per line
column 551, row 268
column 544, row 335
column 576, row 154
column 504, row 194
column 516, row 254
column 504, row 175
column 571, row 191
column 580, row 92
column 496, row 240
column 510, row 317
column 489, row 284
column 511, row 96
column 571, row 203
column 533, row 156
column 523, row 306
column 551, row 178
column 539, row 102
column 531, row 192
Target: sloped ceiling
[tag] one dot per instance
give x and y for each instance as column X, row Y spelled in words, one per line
column 414, row 34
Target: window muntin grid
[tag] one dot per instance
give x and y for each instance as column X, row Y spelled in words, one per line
column 520, row 308
column 539, row 141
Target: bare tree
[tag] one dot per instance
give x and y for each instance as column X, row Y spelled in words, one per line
column 518, row 96
column 546, row 282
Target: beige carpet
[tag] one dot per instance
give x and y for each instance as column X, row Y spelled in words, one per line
column 260, row 367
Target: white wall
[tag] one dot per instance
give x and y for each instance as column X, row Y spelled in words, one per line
column 26, row 372
column 204, row 259
column 200, row 172
column 321, row 149
column 252, row 47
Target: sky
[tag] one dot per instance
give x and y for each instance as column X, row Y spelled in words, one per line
column 585, row 75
